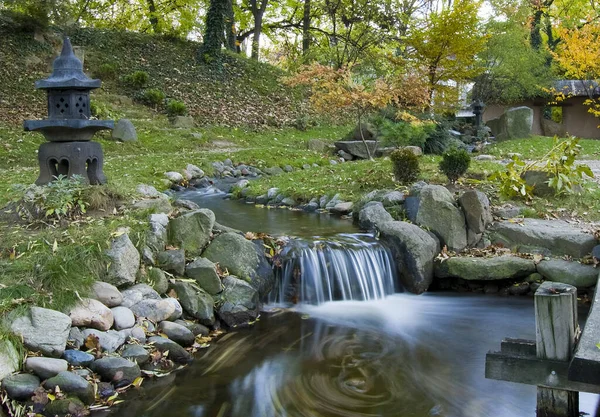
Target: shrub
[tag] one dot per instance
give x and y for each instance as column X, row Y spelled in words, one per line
column 402, row 133
column 406, row 165
column 153, row 97
column 176, row 108
column 455, row 163
column 137, row 79
column 107, row 71
column 438, row 139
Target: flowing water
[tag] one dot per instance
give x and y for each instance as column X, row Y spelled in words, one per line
column 373, row 353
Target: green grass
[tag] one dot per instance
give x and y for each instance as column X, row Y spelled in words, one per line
column 537, row 146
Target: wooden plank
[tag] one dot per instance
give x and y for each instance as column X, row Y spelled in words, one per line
column 518, row 347
column 556, row 328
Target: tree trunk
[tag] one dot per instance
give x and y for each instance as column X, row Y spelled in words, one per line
column 153, row 16
column 258, row 12
column 215, row 30
column 362, row 136
column 230, row 27
column 306, row 28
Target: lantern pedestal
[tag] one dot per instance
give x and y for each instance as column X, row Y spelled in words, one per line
column 85, row 159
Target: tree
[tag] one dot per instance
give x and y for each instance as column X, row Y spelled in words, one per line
column 258, row 8
column 214, row 35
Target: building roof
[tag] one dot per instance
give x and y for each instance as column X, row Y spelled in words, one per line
column 577, row 88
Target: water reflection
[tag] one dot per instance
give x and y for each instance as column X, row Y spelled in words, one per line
column 403, row 356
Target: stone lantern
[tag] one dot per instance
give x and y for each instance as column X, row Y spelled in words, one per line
column 477, row 107
column 68, row 128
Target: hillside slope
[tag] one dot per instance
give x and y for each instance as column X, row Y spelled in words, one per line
column 241, row 92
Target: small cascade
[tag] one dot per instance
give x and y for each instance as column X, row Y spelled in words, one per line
column 346, row 267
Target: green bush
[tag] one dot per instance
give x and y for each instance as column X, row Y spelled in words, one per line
column 106, row 71
column 455, row 163
column 176, row 108
column 438, row 139
column 153, row 97
column 406, row 165
column 401, row 133
column 137, row 79
column 101, row 110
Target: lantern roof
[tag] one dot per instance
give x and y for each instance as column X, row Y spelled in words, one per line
column 67, row 72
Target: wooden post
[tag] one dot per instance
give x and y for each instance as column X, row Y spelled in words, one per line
column 556, row 328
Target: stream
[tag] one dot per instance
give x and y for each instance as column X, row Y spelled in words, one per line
column 353, row 345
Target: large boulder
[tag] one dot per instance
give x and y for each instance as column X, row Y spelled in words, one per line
column 156, row 238
column 195, row 302
column 191, row 231
column 538, row 180
column 485, row 269
column 43, row 330
column 205, row 274
column 547, row 236
column 357, row 148
column 158, row 279
column 9, row 359
column 124, row 131
column 476, row 207
column 240, row 302
column 124, row 261
column 413, row 250
column 172, row 260
column 515, row 123
column 438, row 213
column 372, row 215
column 568, row 272
column 316, row 145
column 20, row 387
column 116, row 370
column 72, row 384
column 242, row 258
column 91, row 313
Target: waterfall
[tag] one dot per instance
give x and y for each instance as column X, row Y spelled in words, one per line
column 345, row 267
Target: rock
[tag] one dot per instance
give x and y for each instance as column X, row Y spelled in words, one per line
column 72, row 384
column 520, row 288
column 174, row 177
column 273, row 171
column 272, row 193
column 556, row 237
column 185, row 204
column 43, row 330
column 416, row 150
column 336, row 199
column 342, row 208
column 124, row 261
column 568, row 272
column 241, row 184
column 182, row 122
column 106, row 389
column 136, row 353
column 205, row 274
column 288, row 168
column 372, row 215
column 9, row 359
column 413, row 250
column 393, row 198
column 515, row 123
column 485, row 269
column 491, row 288
column 219, row 228
column 148, row 191
column 476, row 207
column 78, row 357
column 138, row 333
column 106, row 293
column 137, row 293
column 365, row 131
column 20, row 387
column 65, row 407
column 158, row 280
column 119, row 371
column 288, row 201
column 538, row 180
column 178, row 309
column 195, row 328
column 156, row 237
column 124, row 131
column 194, row 171
column 311, row 207
column 411, row 207
column 438, row 213
column 358, row 148
column 316, row 145
column 155, row 310
column 91, row 313
column 177, row 333
column 196, row 302
column 172, row 261
column 483, row 158
column 323, row 201
column 110, row 340
column 333, row 162
column 123, row 318
column 551, row 128
column 154, row 205
column 176, row 353
column 507, row 211
column 45, row 367
column 76, row 338
column 191, row 231
column 345, row 155
column 240, row 302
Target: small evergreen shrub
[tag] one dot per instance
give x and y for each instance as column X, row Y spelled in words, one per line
column 176, row 108
column 438, row 140
column 406, row 165
column 107, row 71
column 153, row 97
column 455, row 163
column 137, row 79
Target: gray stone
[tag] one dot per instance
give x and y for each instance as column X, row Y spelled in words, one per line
column 116, row 370
column 476, row 207
column 411, row 207
column 91, row 313
column 364, row 131
column 156, row 237
column 109, row 341
column 483, row 158
column 78, row 357
column 323, row 201
column 177, row 333
column 273, row 171
column 20, row 387
column 72, row 384
column 124, row 261
column 242, row 184
column 136, row 353
column 219, row 228
column 311, row 207
column 76, row 338
column 148, row 256
column 336, row 199
column 158, row 280
column 124, row 318
column 154, row 205
column 191, row 231
column 174, row 177
column 316, row 145
column 45, row 367
column 176, row 353
column 333, row 162
column 205, row 274
column 178, row 309
column 9, row 359
column 65, row 407
column 196, row 302
column 240, row 302
column 195, row 328
column 149, row 191
column 357, row 148
column 182, row 122
column 185, row 204
column 416, row 150
column 43, row 330
column 507, row 211
column 138, row 333
column 172, row 261
column 124, row 131
column 393, row 198
column 515, row 123
column 288, row 168
column 272, row 193
column 345, row 155
column 342, row 208
column 538, row 180
column 568, row 272
column 137, row 293
column 415, row 189
column 485, row 269
column 520, row 288
column 372, row 215
column 155, row 310
column 438, row 213
column 413, row 250
column 288, row 201
column 194, row 171
column 557, row 237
